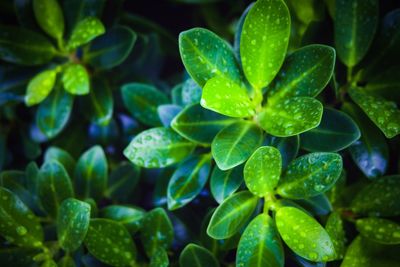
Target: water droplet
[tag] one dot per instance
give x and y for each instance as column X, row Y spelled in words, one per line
column 21, row 230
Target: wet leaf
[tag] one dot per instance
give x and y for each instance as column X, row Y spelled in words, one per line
column 50, row 17
column 85, row 31
column 379, row 230
column 225, row 183
column 40, row 87
column 76, row 79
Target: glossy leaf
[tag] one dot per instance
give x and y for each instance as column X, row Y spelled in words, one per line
column 198, row 124
column 18, row 225
column 40, row 87
column 91, row 173
column 235, row 143
column 305, row 72
column 335, row 132
column 231, row 215
column 159, row 258
column 227, row 98
column 62, row 156
column 76, row 79
column 53, row 114
column 335, row 228
column 264, row 41
column 379, row 230
column 355, row 26
column 384, row 113
column 287, row 146
column 130, row 217
column 196, row 256
column 85, row 31
column 157, row 231
column 262, row 171
column 54, row 186
column 142, row 101
column 122, row 181
column 50, row 17
column 260, row 245
column 379, row 198
column 167, row 113
column 205, row 56
column 158, row 147
column 239, row 30
column 370, row 152
column 225, row 183
column 188, row 180
column 304, row 235
column 100, row 103
column 111, row 49
column 191, row 92
column 25, row 47
column 110, row 242
column 72, row 223
column 318, row 205
column 310, row 175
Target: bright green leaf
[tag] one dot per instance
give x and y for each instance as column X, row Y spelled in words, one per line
column 260, row 245
column 40, row 87
column 264, row 41
column 310, row 175
column 76, row 79
column 291, row 116
column 50, row 17
column 234, row 144
column 72, row 223
column 231, row 215
column 158, row 147
column 304, row 235
column 130, row 217
column 379, row 230
column 159, row 258
column 262, row 171
column 225, row 183
column 85, row 31
column 196, row 256
column 335, row 228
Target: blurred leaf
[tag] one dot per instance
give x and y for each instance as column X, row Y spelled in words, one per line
column 50, row 17
column 191, row 92
column 167, row 113
column 122, row 181
column 62, row 156
column 231, row 215
column 196, row 256
column 334, row 227
column 130, row 217
column 225, row 183
column 379, row 230
column 18, row 257
column 76, row 79
column 99, row 103
column 66, row 261
column 159, row 258
column 238, row 32
column 287, row 146
column 85, row 31
column 260, row 244
column 40, row 87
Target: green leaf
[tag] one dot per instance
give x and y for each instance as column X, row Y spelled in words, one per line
column 72, row 223
column 305, row 72
column 24, row 47
column 318, row 205
column 264, row 41
column 167, row 113
column 100, row 103
column 385, row 83
column 379, row 198
column 287, row 146
column 122, row 182
column 188, row 180
column 111, row 49
column 231, row 215
column 260, row 245
column 384, row 113
column 142, row 101
column 53, row 113
column 191, row 92
column 234, row 144
column 91, row 173
column 226, row 97
column 40, row 87
column 292, row 116
column 225, row 183
column 334, row 227
column 336, row 131
column 158, row 147
column 130, row 217
column 50, row 17
column 110, row 242
column 196, row 256
column 157, row 231
column 159, row 258
column 310, row 175
column 18, row 225
column 239, row 30
column 263, row 170
column 379, row 230
column 205, row 56
column 76, row 79
column 199, row 125
column 356, row 22
column 62, row 156
column 66, row 261
column 85, row 31
column 304, row 235
column 371, row 152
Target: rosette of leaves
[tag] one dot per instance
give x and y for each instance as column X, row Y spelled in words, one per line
column 67, row 47
column 54, row 216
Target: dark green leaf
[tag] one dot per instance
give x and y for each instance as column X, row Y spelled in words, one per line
column 50, row 17
column 238, row 31
column 260, row 244
column 335, row 132
column 188, row 180
column 231, row 215
column 123, row 181
column 225, row 183
column 198, row 124
column 310, row 175
column 191, row 92
column 72, row 223
column 40, row 87
column 66, row 261
column 167, row 113
column 91, row 173
column 110, row 242
column 130, row 217
column 318, row 205
column 76, row 79
column 158, row 147
column 287, row 146
column 62, row 156
column 334, row 227
column 379, row 230
column 85, row 31
column 159, row 258
column 235, row 143
column 100, row 103
column 196, row 256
